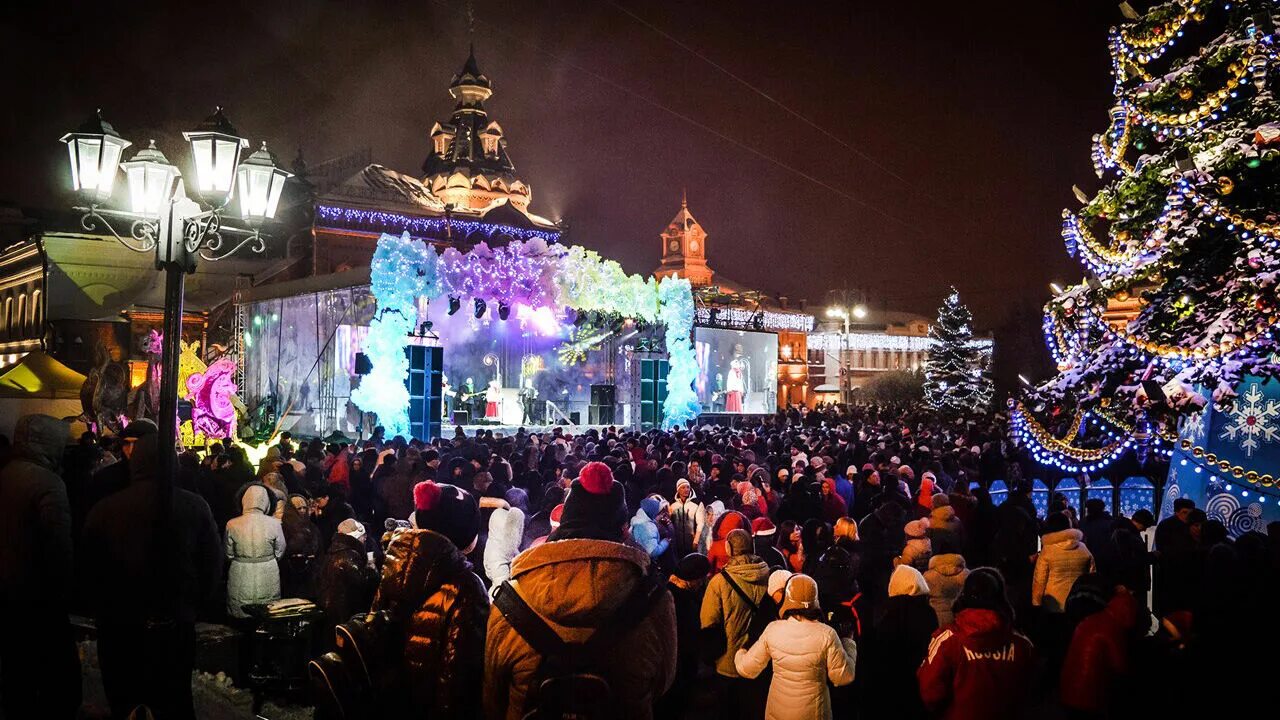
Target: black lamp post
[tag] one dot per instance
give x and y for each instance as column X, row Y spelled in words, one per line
column 180, row 230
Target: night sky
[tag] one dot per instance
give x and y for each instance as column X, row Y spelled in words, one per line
column 976, row 118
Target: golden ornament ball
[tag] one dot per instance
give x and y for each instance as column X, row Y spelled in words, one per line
column 1211, row 458
column 1122, row 235
column 1226, row 185
column 1198, row 16
column 1184, row 93
column 1237, row 471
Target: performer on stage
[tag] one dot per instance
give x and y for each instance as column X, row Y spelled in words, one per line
column 528, row 396
column 492, row 396
column 447, row 396
column 736, row 384
column 471, row 398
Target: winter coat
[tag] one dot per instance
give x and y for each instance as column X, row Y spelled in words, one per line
column 506, row 532
column 893, row 647
column 425, row 632
column 137, row 565
column 1062, row 559
column 1097, row 660
column 722, row 607
column 946, row 575
column 979, row 668
column 806, row 655
column 35, row 524
column 1132, row 560
column 644, row 531
column 688, row 517
column 577, row 586
column 718, row 552
column 255, row 541
column 946, row 533
column 345, row 582
column 918, row 549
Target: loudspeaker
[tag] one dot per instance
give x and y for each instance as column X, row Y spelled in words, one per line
column 602, row 394
column 364, row 365
column 575, row 418
column 424, row 386
column 461, row 417
column 600, row 414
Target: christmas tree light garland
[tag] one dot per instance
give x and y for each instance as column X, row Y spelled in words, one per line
column 531, row 273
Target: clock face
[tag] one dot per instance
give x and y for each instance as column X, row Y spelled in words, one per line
column 693, row 245
column 675, row 246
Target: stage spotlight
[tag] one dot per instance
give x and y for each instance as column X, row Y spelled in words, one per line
column 480, row 307
column 454, row 305
column 504, row 311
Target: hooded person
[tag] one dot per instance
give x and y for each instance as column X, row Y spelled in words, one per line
column 806, row 655
column 644, row 529
column 254, row 542
column 833, row 506
column 946, row 532
column 979, row 667
column 346, row 579
column 41, row 675
column 686, row 586
column 425, row 629
column 724, row 524
column 896, row 644
column 582, row 579
column 945, row 576
column 924, row 497
column 732, row 599
column 706, row 536
column 506, row 530
column 302, row 548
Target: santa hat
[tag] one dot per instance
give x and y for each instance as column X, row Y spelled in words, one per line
column 762, row 527
column 448, row 510
column 596, row 507
column 556, row 513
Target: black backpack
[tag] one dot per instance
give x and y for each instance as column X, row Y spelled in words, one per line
column 568, row 682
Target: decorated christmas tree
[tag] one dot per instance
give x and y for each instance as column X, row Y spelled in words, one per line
column 955, row 379
column 1178, row 307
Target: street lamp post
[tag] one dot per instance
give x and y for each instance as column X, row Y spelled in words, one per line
column 846, row 314
column 178, row 229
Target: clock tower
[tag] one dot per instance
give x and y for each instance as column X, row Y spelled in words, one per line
column 684, row 249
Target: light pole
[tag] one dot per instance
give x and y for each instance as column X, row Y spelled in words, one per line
column 178, row 229
column 858, row 311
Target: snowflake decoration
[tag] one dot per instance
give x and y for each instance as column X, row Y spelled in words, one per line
column 1195, row 426
column 1253, row 421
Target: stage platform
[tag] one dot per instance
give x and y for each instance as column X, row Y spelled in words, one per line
column 732, row 419
column 447, row 431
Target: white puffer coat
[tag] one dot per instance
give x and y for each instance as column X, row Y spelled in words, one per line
column 254, row 542
column 506, row 529
column 805, row 654
column 1062, row 559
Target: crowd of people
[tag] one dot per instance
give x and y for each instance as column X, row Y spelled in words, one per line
column 840, row 562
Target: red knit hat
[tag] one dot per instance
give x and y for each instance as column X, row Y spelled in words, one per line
column 596, row 478
column 762, row 527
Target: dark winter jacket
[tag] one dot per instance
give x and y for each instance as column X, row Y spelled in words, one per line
column 892, row 648
column 1097, row 662
column 1130, row 560
column 35, row 522
column 345, row 583
column 145, row 560
column 979, row 668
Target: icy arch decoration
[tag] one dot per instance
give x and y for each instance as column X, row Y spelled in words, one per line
column 531, row 273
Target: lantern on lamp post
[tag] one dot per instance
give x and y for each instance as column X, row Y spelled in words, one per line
column 94, row 149
column 179, row 229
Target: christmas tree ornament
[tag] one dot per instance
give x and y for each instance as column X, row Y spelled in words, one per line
column 1226, row 185
column 1184, row 93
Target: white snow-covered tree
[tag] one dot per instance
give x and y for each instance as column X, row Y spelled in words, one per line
column 955, row 375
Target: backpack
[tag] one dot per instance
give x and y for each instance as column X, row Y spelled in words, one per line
column 568, row 682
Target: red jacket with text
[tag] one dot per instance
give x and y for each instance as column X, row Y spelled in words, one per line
column 978, row 668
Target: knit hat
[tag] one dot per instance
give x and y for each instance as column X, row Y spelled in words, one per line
column 940, row 500
column 762, row 527
column 596, row 507
column 448, row 510
column 778, row 580
column 916, row 528
column 694, row 566
column 684, row 483
column 800, row 593
column 906, row 580
column 984, row 590
column 739, row 543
